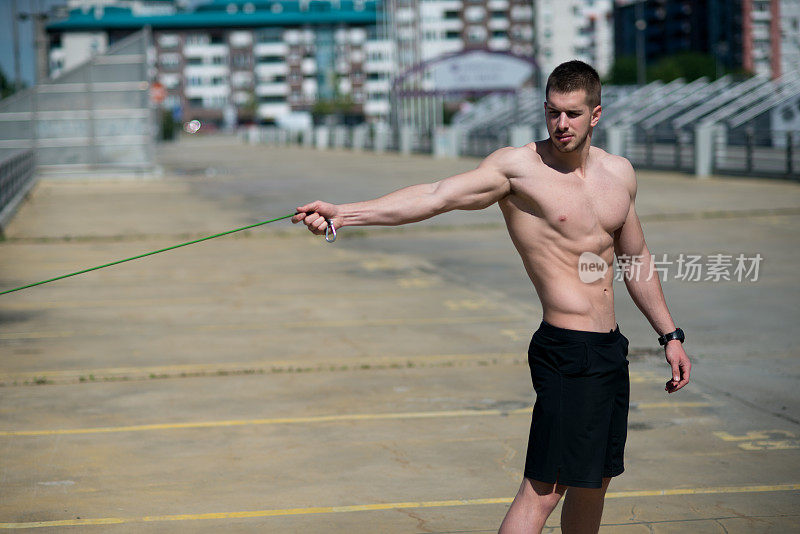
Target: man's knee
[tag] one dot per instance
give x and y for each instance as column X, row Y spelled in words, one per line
column 541, row 495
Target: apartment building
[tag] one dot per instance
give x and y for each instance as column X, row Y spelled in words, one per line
column 758, row 36
column 261, row 60
column 574, row 29
column 270, row 58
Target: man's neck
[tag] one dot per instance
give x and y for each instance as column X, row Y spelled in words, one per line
column 570, row 162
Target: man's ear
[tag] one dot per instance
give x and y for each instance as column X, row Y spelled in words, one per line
column 596, row 112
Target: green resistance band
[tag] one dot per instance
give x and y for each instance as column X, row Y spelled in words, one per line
column 160, row 251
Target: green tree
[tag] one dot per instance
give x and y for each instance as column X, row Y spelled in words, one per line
column 6, row 87
column 338, row 106
column 687, row 65
column 623, row 71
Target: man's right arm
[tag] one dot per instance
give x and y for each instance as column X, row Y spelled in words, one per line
column 471, row 190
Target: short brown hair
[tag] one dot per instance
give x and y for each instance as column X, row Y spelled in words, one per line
column 573, row 76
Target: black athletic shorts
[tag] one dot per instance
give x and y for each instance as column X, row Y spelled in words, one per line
column 580, row 418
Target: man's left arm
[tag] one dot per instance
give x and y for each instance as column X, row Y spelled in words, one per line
column 644, row 286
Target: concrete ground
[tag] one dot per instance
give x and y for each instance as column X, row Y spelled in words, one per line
column 269, row 381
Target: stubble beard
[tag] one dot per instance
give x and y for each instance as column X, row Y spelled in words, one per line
column 572, row 146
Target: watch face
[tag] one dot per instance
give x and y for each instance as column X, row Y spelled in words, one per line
column 677, row 334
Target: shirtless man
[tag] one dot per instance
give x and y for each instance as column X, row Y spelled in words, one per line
column 561, row 198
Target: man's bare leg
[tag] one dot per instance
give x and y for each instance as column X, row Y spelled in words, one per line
column 583, row 509
column 532, row 506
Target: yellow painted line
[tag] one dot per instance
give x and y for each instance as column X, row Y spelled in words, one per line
column 69, row 523
column 55, row 376
column 110, row 303
column 702, row 491
column 668, row 404
column 61, row 375
column 754, row 435
column 410, row 321
column 383, row 506
column 166, row 302
column 271, row 421
column 310, row 419
column 38, row 335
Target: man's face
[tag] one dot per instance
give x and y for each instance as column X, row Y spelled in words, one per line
column 569, row 119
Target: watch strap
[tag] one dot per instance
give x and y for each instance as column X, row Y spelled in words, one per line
column 666, row 338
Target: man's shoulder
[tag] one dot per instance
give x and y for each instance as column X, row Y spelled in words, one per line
column 618, row 167
column 617, row 164
column 511, row 157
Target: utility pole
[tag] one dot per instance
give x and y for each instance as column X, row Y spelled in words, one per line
column 41, row 47
column 15, row 37
column 641, row 60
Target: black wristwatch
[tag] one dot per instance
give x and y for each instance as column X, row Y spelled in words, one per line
column 666, row 338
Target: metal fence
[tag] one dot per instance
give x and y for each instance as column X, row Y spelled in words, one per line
column 759, row 153
column 17, row 177
column 748, row 127
column 94, row 116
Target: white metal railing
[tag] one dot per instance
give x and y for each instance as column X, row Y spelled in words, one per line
column 17, row 177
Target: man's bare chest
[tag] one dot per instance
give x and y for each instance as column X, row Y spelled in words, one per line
column 571, row 205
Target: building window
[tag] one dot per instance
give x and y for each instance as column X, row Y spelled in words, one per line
column 170, row 81
column 241, row 60
column 270, row 35
column 172, row 102
column 476, row 34
column 272, row 78
column 197, row 39
column 169, row 60
column 522, row 33
column 522, row 13
column 270, row 59
column 474, row 14
column 216, row 102
column 272, row 99
column 168, row 40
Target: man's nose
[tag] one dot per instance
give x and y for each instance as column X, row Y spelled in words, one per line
column 562, row 121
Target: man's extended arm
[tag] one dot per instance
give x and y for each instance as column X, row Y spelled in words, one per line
column 645, row 288
column 472, row 190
